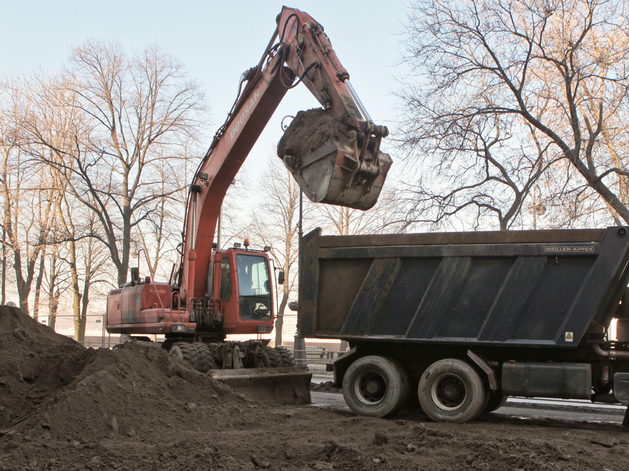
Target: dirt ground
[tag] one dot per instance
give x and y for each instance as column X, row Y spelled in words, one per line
column 137, row 408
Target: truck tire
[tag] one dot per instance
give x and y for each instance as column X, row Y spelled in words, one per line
column 186, row 352
column 376, row 386
column 451, row 390
column 204, row 357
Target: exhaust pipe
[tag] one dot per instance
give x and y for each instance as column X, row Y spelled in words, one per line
column 611, row 354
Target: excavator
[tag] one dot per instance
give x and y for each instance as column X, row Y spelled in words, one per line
column 217, row 292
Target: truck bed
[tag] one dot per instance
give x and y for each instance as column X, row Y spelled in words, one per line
column 529, row 288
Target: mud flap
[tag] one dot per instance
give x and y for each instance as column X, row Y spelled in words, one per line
column 621, row 393
column 284, row 385
column 333, row 174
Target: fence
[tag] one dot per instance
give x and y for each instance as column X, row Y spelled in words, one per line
column 316, row 359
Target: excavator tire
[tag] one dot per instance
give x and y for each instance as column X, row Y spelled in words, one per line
column 286, row 357
column 274, row 356
column 186, row 352
column 204, row 357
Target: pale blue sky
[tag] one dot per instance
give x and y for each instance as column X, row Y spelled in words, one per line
column 216, row 41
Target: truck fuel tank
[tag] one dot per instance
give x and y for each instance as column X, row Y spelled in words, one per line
column 561, row 380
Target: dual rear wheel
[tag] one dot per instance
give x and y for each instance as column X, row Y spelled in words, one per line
column 198, row 355
column 449, row 390
column 376, row 386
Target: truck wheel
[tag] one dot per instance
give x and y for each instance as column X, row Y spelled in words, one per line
column 204, row 357
column 186, row 352
column 451, row 391
column 375, row 386
column 495, row 401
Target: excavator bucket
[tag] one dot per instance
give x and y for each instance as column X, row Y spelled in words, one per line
column 333, row 174
column 335, row 162
column 283, row 385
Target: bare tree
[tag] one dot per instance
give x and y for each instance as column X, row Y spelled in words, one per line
column 159, row 234
column 85, row 255
column 132, row 114
column 501, row 91
column 27, row 204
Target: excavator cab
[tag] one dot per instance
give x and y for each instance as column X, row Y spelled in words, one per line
column 245, row 292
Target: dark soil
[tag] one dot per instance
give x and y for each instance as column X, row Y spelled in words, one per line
column 310, row 130
column 137, row 408
column 327, row 386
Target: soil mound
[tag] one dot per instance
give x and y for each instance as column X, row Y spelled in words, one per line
column 34, row 361
column 52, row 387
column 65, row 407
column 310, row 130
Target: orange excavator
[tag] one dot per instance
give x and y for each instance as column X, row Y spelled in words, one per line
column 219, row 292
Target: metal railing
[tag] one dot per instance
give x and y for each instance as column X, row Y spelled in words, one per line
column 316, row 359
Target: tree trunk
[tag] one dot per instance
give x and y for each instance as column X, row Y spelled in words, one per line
column 79, row 323
column 53, row 307
column 3, row 299
column 85, row 299
column 23, row 288
column 279, row 322
column 38, row 283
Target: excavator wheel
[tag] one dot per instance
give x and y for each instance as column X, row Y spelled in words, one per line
column 273, row 354
column 186, row 352
column 205, row 361
column 286, row 357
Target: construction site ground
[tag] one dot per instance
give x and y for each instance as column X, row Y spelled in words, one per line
column 63, row 406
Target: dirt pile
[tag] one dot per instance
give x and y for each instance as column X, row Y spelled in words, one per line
column 35, row 362
column 65, row 407
column 310, row 130
column 51, row 388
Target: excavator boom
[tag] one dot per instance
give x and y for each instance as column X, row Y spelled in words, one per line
column 349, row 172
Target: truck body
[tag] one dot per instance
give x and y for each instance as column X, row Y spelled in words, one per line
column 466, row 319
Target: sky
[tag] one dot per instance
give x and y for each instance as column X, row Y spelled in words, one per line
column 216, row 42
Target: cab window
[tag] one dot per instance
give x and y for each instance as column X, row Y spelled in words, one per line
column 254, row 288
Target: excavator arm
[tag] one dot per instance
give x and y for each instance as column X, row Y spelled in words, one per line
column 347, row 173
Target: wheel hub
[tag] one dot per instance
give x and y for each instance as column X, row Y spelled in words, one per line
column 370, row 387
column 449, row 392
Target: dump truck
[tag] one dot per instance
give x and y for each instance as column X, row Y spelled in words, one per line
column 460, row 321
column 221, row 291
